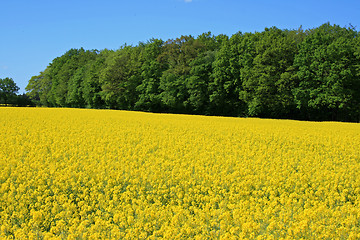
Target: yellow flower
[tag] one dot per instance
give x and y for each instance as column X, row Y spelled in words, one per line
column 90, row 174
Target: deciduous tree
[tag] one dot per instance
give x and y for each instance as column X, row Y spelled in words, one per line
column 8, row 89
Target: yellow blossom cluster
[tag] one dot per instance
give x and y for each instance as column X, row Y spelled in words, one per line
column 103, row 174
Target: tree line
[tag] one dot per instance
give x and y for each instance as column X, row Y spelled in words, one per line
column 309, row 74
column 9, row 96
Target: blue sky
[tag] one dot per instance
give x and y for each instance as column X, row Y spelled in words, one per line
column 35, row 32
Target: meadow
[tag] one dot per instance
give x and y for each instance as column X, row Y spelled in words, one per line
column 105, row 174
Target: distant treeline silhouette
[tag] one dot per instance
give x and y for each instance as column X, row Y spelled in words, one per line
column 9, row 96
column 309, row 74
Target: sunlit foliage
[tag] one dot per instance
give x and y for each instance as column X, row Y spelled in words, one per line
column 298, row 74
column 103, row 174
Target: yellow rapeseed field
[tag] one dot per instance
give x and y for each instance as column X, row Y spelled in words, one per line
column 102, row 174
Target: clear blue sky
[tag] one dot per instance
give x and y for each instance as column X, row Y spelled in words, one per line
column 34, row 32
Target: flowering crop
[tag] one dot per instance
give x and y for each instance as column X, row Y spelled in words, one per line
column 102, row 174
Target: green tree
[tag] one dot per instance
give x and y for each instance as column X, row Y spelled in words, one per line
column 8, row 89
column 91, row 83
column 267, row 79
column 328, row 73
column 226, row 82
column 354, row 113
column 121, row 77
column 75, row 86
column 199, row 78
column 176, row 58
column 74, row 96
column 312, row 74
column 60, row 71
column 197, row 83
column 23, row 100
column 38, row 88
column 60, row 77
column 151, row 70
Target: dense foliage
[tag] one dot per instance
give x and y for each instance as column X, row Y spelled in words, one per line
column 8, row 94
column 312, row 74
